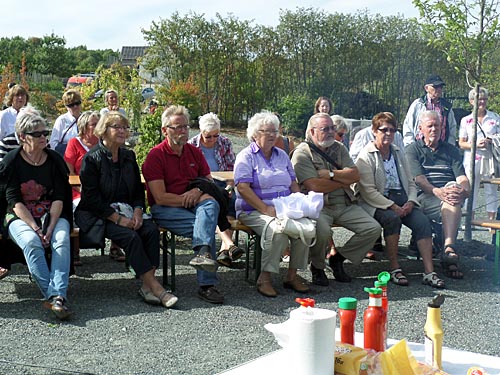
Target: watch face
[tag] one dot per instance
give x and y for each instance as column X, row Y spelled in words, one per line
column 331, row 174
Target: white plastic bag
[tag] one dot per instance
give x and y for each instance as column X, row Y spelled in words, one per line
column 298, row 205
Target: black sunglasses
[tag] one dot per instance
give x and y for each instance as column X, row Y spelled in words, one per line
column 71, row 105
column 38, row 134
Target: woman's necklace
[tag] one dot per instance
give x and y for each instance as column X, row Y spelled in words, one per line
column 33, row 161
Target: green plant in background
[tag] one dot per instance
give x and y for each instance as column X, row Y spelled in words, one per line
column 295, row 111
column 186, row 93
column 150, row 135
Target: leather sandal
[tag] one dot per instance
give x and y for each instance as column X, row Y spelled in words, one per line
column 117, row 254
column 266, row 289
column 433, row 280
column 235, row 252
column 398, row 277
column 449, row 256
column 167, row 299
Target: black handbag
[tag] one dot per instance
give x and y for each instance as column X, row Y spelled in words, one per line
column 91, row 234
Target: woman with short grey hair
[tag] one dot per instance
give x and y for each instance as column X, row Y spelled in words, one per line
column 112, row 103
column 39, row 214
column 218, row 152
column 258, row 121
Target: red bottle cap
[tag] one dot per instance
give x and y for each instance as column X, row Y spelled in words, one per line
column 306, row 302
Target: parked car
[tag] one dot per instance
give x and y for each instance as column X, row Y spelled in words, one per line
column 147, row 93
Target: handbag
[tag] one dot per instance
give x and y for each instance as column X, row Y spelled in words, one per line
column 61, row 147
column 303, row 228
column 91, row 234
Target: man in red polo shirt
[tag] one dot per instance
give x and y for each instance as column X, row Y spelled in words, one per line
column 168, row 169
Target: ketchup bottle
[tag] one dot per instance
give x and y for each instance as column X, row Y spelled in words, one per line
column 347, row 316
column 374, row 318
column 383, row 279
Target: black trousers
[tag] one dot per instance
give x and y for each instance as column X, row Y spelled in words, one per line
column 142, row 246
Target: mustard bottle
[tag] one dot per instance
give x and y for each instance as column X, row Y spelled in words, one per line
column 434, row 333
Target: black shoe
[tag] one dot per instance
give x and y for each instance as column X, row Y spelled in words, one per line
column 337, row 265
column 211, row 294
column 57, row 304
column 319, row 276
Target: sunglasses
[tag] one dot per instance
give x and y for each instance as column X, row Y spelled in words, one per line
column 341, row 135
column 387, row 130
column 211, row 136
column 71, row 105
column 38, row 134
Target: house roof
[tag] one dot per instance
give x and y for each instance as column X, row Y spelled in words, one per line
column 129, row 55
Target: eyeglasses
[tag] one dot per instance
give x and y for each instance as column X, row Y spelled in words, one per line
column 268, row 132
column 327, row 129
column 211, row 136
column 341, row 135
column 71, row 105
column 387, row 130
column 119, row 127
column 178, row 128
column 38, row 134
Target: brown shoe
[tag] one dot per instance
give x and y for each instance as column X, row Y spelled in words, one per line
column 266, row 289
column 297, row 284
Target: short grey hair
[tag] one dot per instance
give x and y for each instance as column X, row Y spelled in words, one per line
column 108, row 93
column 260, row 119
column 340, row 123
column 482, row 91
column 84, row 119
column 312, row 122
column 28, row 120
column 209, row 122
column 173, row 110
column 428, row 115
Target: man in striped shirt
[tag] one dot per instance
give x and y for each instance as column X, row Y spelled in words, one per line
column 440, row 176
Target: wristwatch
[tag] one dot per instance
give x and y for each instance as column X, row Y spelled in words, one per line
column 331, row 175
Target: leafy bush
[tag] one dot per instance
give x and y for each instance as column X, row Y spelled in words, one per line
column 150, row 135
column 295, row 111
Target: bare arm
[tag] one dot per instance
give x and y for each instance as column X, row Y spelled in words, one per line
column 341, row 180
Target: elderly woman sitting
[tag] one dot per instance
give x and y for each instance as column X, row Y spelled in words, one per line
column 218, row 151
column 389, row 193
column 263, row 172
column 34, row 183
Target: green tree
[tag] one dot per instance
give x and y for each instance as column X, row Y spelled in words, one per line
column 468, row 33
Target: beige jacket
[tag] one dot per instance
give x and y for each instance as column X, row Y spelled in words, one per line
column 372, row 178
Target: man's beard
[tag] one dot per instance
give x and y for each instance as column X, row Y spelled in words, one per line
column 326, row 143
column 179, row 142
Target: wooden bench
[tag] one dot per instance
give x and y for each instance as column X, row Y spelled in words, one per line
column 492, row 224
column 168, row 247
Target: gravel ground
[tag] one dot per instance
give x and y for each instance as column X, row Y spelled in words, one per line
column 114, row 332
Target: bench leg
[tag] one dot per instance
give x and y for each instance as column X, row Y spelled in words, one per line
column 168, row 247
column 496, row 264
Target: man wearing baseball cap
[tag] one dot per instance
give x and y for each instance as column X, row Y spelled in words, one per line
column 431, row 101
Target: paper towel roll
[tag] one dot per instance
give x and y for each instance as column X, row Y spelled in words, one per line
column 311, row 346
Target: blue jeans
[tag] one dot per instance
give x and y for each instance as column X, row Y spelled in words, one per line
column 198, row 223
column 53, row 282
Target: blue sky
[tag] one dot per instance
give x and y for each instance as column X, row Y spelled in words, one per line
column 113, row 24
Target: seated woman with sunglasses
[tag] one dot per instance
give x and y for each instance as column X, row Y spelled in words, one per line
column 36, row 194
column 388, row 192
column 218, row 151
column 65, row 126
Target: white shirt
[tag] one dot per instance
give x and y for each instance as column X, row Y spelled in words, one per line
column 62, row 123
column 106, row 110
column 7, row 122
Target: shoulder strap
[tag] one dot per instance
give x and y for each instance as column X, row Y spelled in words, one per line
column 323, row 154
column 67, row 130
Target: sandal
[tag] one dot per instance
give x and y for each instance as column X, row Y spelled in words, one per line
column 398, row 277
column 452, row 271
column 224, row 258
column 167, row 299
column 235, row 252
column 433, row 280
column 3, row 272
column 449, row 257
column 116, row 253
